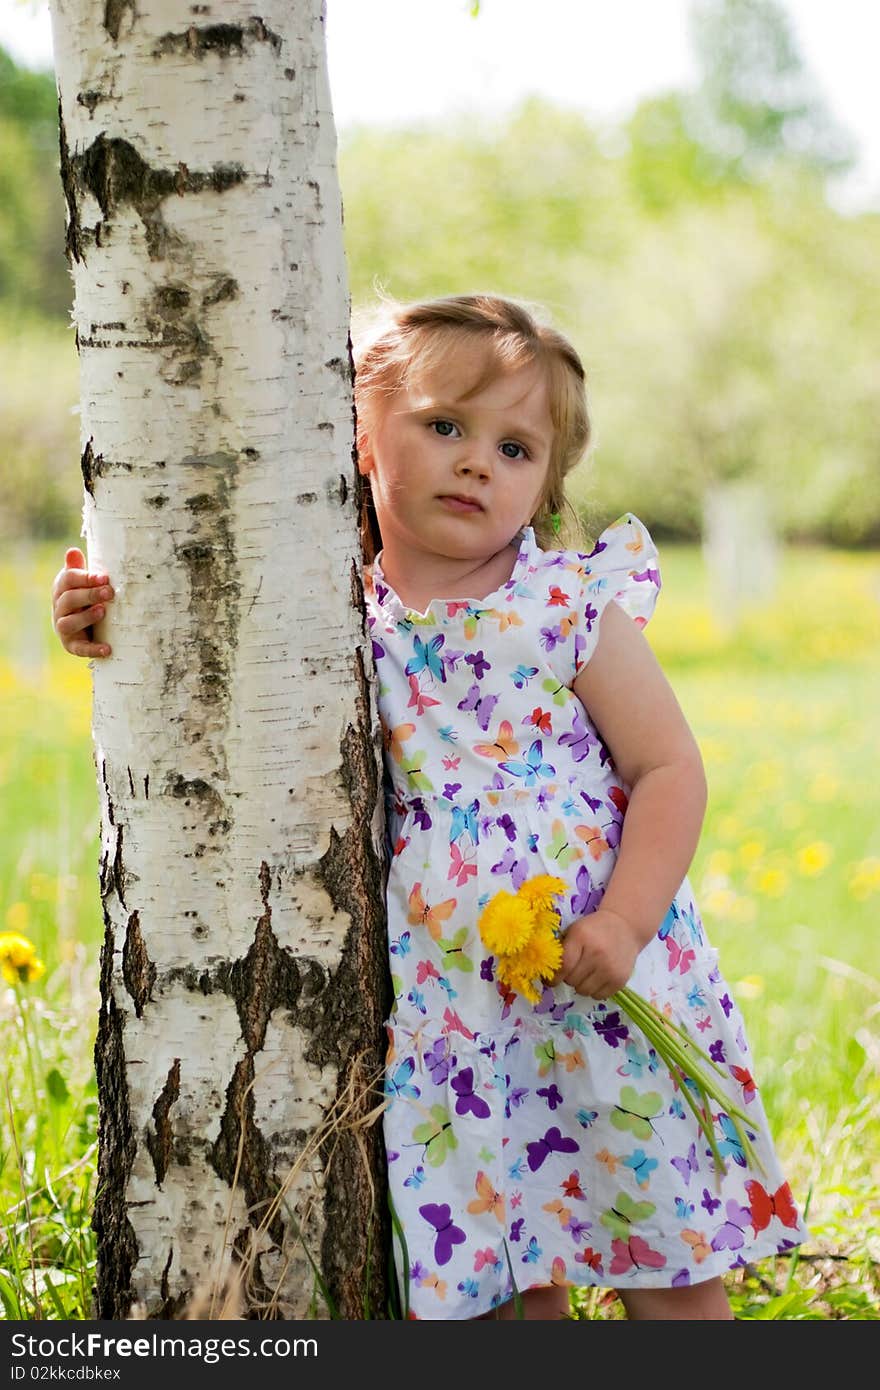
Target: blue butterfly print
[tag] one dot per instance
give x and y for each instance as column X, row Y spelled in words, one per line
column 399, row 1083
column 427, row 657
column 641, row 1164
column 445, row 984
column 696, row 998
column 448, row 733
column 522, row 675
column 417, row 999
column 636, row 1061
column 533, row 1252
column 469, row 1287
column 676, row 1108
column 465, row 820
column 730, row 1144
column 516, row 1170
column 578, row 1024
column 401, row 944
column 416, row 1177
column 668, row 923
column 533, row 767
column 587, row 1117
column 683, row 1210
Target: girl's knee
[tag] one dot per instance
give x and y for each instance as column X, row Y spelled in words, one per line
column 693, row 1301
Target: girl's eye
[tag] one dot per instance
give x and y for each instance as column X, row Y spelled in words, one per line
column 445, row 428
column 511, row 450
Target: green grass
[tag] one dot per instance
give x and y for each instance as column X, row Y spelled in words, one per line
column 787, row 875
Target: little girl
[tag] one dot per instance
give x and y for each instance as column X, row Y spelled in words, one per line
column 529, row 731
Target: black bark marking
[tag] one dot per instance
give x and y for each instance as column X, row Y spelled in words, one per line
column 225, row 40
column 223, row 287
column 207, row 798
column 117, row 1243
column 114, row 11
column 160, row 1141
column 138, row 971
column 90, row 100
column 92, row 466
column 115, row 174
column 130, row 782
column 241, row 1148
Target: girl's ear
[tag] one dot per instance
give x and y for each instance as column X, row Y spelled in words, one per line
column 364, row 455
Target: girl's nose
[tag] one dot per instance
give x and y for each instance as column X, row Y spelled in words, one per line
column 476, row 461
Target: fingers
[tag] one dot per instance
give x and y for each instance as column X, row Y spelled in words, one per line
column 79, row 599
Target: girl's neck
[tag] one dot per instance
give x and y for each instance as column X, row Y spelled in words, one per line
column 420, row 580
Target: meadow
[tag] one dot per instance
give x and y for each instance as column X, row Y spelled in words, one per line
column 784, row 705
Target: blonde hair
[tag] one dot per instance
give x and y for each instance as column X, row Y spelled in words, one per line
column 404, row 340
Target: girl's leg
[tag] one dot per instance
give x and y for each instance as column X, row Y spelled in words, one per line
column 695, row 1301
column 548, row 1305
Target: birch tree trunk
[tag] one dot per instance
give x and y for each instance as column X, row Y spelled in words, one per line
column 243, row 976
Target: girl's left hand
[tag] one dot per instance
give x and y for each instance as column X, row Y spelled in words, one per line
column 598, row 954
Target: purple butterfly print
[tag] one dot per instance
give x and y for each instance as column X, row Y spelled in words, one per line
column 378, row 650
column 548, row 1005
column 440, row 1060
column 551, row 1094
column 716, row 1052
column 687, row 1165
column 514, row 1098
column 420, row 815
column 610, row 1029
column 579, row 737
column 468, row 1101
column 727, row 1004
column 417, row 1271
column 510, row 864
column 578, row 1230
column 709, row 1202
column 651, row 576
column 479, row 663
column 590, row 616
column 451, row 659
column 507, row 824
column 487, row 969
column 447, row 1233
column 516, row 1228
column 586, row 897
column 681, row 1279
column 450, row 788
column 551, row 637
column 729, row 1235
column 480, row 705
column 594, row 802
column 554, row 1142
column 597, row 550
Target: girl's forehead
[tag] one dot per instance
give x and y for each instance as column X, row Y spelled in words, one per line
column 475, row 374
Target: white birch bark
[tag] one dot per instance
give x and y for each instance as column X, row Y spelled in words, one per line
column 235, row 736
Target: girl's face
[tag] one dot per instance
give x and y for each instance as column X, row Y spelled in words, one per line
column 458, row 478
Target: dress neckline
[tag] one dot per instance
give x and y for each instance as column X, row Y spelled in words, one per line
column 390, row 600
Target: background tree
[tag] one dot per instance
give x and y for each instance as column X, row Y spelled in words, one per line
column 243, row 967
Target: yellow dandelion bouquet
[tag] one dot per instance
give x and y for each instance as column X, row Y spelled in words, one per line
column 522, row 930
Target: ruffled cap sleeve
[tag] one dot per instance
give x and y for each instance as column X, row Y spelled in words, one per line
column 623, row 566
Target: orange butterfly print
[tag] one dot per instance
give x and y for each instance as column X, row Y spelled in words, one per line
column 636, row 545
column 395, row 738
column 572, row 1060
column 431, row 1281
column 487, row 1199
column 422, row 914
column 593, row 839
column 507, row 617
column 698, row 1243
column 568, row 623
column 572, row 1186
column 559, row 1209
column 610, row 1160
column 505, row 745
column 401, row 844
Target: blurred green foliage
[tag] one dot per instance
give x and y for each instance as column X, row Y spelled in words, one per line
column 724, row 309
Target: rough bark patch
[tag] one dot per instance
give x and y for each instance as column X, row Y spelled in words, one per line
column 138, row 971
column 160, row 1141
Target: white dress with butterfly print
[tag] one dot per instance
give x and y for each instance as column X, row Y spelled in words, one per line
column 544, row 1138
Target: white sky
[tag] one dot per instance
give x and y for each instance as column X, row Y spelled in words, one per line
column 410, row 60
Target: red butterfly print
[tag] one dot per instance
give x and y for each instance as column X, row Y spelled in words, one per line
column 746, row 1080
column 634, row 1253
column 460, row 869
column 542, row 719
column 572, row 1186
column 451, row 764
column 557, row 597
column 678, row 957
column 619, row 797
column 426, row 970
column 418, row 698
column 763, row 1205
column 455, row 1025
column 591, row 1257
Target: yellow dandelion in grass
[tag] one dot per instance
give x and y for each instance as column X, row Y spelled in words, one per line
column 506, row 923
column 751, row 986
column 18, row 959
column 772, row 882
column 750, row 852
column 814, row 859
column 864, row 879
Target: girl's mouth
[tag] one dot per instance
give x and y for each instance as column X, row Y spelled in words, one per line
column 461, row 504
